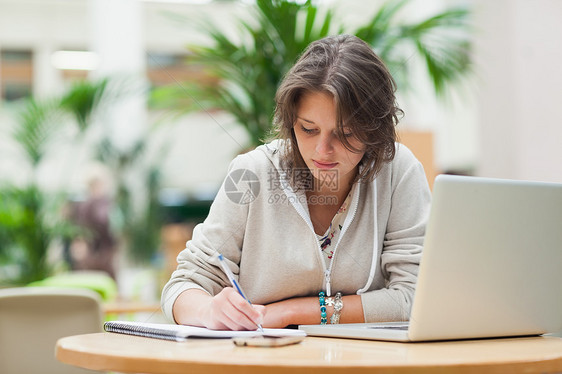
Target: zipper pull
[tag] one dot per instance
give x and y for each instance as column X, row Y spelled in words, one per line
column 328, row 287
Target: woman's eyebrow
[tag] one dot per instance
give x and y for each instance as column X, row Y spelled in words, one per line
column 305, row 120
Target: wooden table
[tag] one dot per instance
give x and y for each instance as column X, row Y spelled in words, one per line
column 124, row 353
column 130, row 307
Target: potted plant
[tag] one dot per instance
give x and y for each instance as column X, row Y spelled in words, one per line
column 246, row 69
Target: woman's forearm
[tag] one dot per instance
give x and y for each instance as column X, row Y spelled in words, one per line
column 187, row 309
column 306, row 311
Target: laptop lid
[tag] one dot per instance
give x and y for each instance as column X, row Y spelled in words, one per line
column 491, row 266
column 493, row 256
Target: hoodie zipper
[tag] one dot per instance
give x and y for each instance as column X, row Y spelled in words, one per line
column 293, row 198
column 348, row 220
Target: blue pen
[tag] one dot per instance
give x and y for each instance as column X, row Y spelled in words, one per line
column 235, row 283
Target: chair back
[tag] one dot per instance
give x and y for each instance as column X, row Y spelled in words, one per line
column 32, row 319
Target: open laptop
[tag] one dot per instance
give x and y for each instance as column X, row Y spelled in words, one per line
column 491, row 265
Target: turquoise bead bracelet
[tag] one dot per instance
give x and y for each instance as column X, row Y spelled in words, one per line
column 336, row 302
column 323, row 314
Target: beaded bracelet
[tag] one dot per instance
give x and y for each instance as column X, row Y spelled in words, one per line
column 323, row 314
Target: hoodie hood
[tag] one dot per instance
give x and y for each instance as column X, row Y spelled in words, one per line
column 273, row 151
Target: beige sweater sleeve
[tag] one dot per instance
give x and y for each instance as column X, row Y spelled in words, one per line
column 198, row 267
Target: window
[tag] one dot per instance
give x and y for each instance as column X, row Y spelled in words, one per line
column 165, row 69
column 16, row 74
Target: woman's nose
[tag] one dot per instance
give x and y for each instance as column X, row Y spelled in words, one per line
column 325, row 144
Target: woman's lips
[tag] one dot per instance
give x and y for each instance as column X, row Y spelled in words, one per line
column 324, row 165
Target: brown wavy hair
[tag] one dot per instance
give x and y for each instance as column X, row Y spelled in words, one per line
column 364, row 93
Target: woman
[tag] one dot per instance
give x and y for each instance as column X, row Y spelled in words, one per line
column 332, row 207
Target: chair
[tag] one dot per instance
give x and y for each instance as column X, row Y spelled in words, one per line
column 98, row 281
column 32, row 319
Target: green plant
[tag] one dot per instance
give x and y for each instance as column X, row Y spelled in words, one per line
column 38, row 124
column 27, row 225
column 247, row 68
column 31, row 218
column 83, row 99
column 138, row 226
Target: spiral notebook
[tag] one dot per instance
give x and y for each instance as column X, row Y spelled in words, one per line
column 182, row 332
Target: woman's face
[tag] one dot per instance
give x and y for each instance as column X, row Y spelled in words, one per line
column 329, row 161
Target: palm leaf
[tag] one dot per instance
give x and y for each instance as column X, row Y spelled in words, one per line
column 37, row 125
column 442, row 41
column 381, row 26
column 82, row 99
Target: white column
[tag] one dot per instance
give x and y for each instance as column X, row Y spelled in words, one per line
column 47, row 81
column 518, row 54
column 117, row 38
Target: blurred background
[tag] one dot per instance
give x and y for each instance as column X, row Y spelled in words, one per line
column 118, row 118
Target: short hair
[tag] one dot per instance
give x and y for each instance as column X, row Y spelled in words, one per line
column 364, row 94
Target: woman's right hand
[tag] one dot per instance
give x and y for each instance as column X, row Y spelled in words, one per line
column 227, row 310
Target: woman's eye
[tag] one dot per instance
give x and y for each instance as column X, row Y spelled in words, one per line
column 346, row 132
column 307, row 131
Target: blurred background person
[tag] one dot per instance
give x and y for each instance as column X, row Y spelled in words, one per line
column 96, row 247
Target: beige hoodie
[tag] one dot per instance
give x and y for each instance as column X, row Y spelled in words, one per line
column 262, row 228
